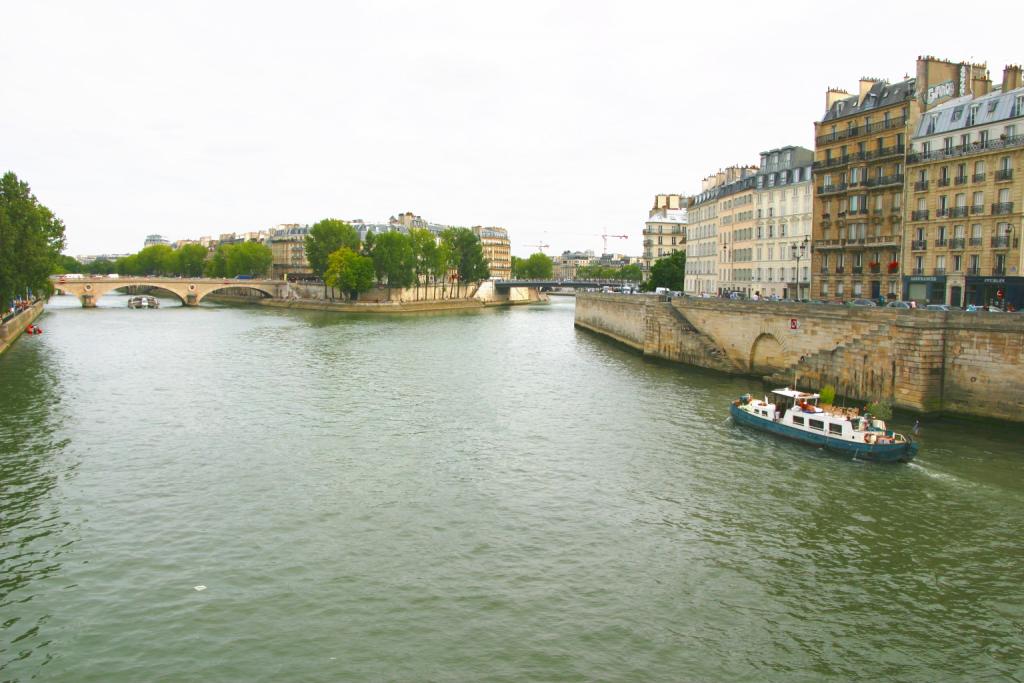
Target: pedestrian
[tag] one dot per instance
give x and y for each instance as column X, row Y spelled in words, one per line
column 917, row 427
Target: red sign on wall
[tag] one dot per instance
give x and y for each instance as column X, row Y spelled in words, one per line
column 794, row 324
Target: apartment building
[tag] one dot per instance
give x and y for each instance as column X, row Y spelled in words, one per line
column 783, row 201
column 710, row 242
column 497, row 250
column 965, row 167
column 665, row 230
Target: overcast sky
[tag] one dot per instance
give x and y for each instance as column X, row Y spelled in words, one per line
column 558, row 121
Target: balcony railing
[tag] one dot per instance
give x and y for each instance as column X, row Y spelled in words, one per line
column 875, row 268
column 858, row 270
column 840, row 270
column 1002, row 208
column 918, row 245
column 956, row 243
column 997, row 270
column 958, row 212
column 824, row 270
column 918, row 271
column 829, row 189
column 977, row 208
column 942, row 212
column 939, row 271
column 973, row 271
column 978, row 178
column 896, row 179
column 961, row 150
column 944, row 182
column 960, row 180
column 1001, row 241
column 975, row 241
column 920, row 215
column 920, row 186
column 941, row 242
column 1004, row 174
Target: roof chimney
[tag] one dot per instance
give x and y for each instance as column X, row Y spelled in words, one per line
column 865, row 85
column 1012, row 77
column 833, row 95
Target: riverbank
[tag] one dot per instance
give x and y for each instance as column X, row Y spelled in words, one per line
column 15, row 327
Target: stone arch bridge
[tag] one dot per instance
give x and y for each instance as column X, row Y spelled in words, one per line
column 190, row 290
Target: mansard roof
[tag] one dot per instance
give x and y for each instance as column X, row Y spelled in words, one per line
column 882, row 94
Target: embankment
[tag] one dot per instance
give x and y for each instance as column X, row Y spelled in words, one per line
column 924, row 361
column 13, row 328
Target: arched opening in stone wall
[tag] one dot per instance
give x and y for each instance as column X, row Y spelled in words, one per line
column 767, row 355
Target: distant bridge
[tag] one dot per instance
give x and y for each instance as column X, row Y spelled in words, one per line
column 190, row 290
column 574, row 284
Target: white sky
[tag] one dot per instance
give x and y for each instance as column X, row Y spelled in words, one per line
column 556, row 120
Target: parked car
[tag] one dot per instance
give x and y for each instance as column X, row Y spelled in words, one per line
column 898, row 304
column 937, row 307
column 862, row 302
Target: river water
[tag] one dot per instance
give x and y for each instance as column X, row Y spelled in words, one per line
column 484, row 496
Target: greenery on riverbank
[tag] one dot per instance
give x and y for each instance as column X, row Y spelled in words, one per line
column 31, row 239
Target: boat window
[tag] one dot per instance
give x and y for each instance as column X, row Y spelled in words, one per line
column 835, row 428
column 798, row 420
column 816, row 424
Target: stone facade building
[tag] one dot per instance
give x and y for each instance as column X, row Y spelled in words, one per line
column 783, row 208
column 965, row 167
column 665, row 230
column 287, row 243
column 860, row 145
column 708, row 240
column 497, row 250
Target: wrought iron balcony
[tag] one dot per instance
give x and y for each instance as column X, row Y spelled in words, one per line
column 975, row 241
column 942, row 212
column 829, row 189
column 858, row 270
column 939, row 271
column 960, row 180
column 941, row 242
column 918, row 245
column 921, row 215
column 996, row 270
column 978, row 178
column 918, row 271
column 1004, row 174
column 977, row 208
column 1001, row 241
column 956, row 243
column 920, row 186
column 973, row 271
column 840, row 270
column 1002, row 208
column 944, row 182
column 958, row 212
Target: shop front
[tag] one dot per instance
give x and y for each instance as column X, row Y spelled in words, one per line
column 995, row 291
column 924, row 289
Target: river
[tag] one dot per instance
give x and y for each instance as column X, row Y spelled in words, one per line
column 233, row 493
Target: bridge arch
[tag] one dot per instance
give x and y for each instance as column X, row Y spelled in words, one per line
column 767, row 354
column 201, row 292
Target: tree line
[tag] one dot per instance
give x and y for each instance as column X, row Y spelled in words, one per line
column 395, row 259
column 31, row 239
column 188, row 260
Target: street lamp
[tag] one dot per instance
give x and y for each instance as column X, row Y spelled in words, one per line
column 725, row 259
column 798, row 253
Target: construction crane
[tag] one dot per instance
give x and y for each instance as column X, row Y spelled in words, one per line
column 606, row 236
column 542, row 247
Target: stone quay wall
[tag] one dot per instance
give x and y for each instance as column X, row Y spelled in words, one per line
column 13, row 328
column 924, row 361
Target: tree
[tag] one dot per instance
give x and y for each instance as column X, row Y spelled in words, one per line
column 538, row 267
column 31, row 240
column 157, row 259
column 632, row 272
column 325, row 238
column 393, row 259
column 217, row 266
column 517, row 268
column 100, row 266
column 349, row 272
column 467, row 254
column 67, row 264
column 191, row 258
column 424, row 254
column 249, row 258
column 669, row 272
